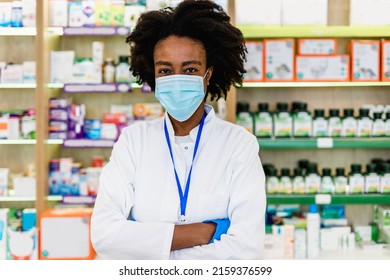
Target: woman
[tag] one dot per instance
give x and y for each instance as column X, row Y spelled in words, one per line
column 188, row 185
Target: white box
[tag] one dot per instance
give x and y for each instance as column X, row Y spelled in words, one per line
column 76, row 15
column 334, row 238
column 4, row 127
column 29, row 72
column 5, row 14
column 369, row 12
column 12, row 74
column 365, row 60
column 58, row 13
column 152, row 5
column 14, row 128
column 322, row 68
column 304, row 12
column 29, row 13
column 3, row 233
column 279, row 60
column 300, row 244
column 254, row 62
column 98, row 52
column 24, row 186
column 317, row 46
column 132, row 14
column 262, row 12
column 61, row 66
column 365, row 232
column 4, row 173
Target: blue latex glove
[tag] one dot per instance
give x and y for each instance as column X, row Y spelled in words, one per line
column 222, row 226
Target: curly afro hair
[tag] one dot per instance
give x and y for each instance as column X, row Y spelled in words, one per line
column 200, row 20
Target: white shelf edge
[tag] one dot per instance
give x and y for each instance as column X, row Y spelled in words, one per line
column 18, row 31
column 312, row 84
column 17, row 86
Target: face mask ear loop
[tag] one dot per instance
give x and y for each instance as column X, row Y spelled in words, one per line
column 207, row 71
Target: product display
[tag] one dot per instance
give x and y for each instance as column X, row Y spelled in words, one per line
column 314, row 95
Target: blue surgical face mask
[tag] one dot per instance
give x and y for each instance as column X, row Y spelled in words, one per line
column 180, row 95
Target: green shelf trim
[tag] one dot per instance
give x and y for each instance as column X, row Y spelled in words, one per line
column 262, row 31
column 313, row 84
column 336, row 199
column 325, row 143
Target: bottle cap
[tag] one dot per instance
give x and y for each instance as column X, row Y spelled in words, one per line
column 388, row 115
column 262, row 107
column 298, row 171
column 267, row 167
column 285, row 172
column 242, row 107
column 348, row 113
column 295, row 106
column 272, row 172
column 302, row 106
column 340, row 171
column 334, row 112
column 281, row 106
column 303, row 163
column 313, row 208
column 326, row 172
column 319, row 113
column 386, row 168
column 377, row 161
column 363, row 112
column 124, row 58
column 377, row 115
column 312, row 168
column 356, row 168
column 371, row 168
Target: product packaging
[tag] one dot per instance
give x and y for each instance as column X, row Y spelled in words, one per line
column 254, row 62
column 260, row 12
column 365, row 60
column 279, row 60
column 61, row 66
column 317, row 47
column 304, row 12
column 58, row 13
column 116, row 13
column 76, row 14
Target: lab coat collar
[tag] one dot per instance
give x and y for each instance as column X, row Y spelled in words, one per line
column 193, row 133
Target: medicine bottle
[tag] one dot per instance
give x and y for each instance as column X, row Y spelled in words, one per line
column 378, row 126
column 372, row 179
column 334, row 123
column 313, row 232
column 122, row 70
column 298, row 181
column 387, row 124
column 341, row 181
column 356, row 179
column 364, row 128
column 312, row 179
column 244, row 118
column 327, row 184
column 263, row 121
column 285, row 181
column 385, row 178
column 302, row 121
column 272, row 181
column 349, row 124
column 320, row 123
column 108, row 71
column 282, row 121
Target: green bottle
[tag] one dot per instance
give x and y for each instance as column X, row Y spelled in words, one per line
column 263, row 121
column 282, row 121
column 244, row 117
column 334, row 123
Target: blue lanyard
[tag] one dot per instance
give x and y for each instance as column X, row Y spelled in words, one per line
column 184, row 197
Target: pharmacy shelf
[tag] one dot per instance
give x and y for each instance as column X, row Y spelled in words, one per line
column 17, row 86
column 88, row 143
column 261, row 31
column 325, row 143
column 18, row 31
column 328, row 199
column 90, row 31
column 72, row 200
column 97, row 88
column 29, row 142
column 313, row 84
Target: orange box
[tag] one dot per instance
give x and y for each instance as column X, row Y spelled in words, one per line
column 365, row 60
column 254, row 64
column 64, row 234
column 326, row 68
column 385, row 60
column 279, row 60
column 317, row 47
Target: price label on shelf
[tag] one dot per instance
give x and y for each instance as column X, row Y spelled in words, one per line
column 323, row 199
column 325, row 143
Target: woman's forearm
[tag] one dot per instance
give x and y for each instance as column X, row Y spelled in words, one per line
column 186, row 236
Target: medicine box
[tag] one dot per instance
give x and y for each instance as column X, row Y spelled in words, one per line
column 369, row 12
column 365, row 59
column 3, row 233
column 279, row 60
column 304, row 12
column 322, row 68
column 102, row 13
column 65, row 234
column 385, row 60
column 58, row 13
column 76, row 16
column 317, row 46
column 261, row 12
column 132, row 14
column 254, row 62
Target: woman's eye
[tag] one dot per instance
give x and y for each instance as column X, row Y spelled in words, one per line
column 164, row 71
column 191, row 70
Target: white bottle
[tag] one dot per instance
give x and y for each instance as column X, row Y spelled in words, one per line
column 313, row 232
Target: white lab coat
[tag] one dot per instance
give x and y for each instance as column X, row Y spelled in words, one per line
column 138, row 182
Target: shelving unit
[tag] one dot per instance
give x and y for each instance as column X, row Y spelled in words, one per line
column 314, row 84
column 334, row 199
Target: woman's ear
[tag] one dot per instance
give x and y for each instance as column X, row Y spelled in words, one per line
column 209, row 74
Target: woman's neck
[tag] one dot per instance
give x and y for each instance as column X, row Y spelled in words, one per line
column 184, row 128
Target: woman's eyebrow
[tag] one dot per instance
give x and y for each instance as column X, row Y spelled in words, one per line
column 191, row 62
column 166, row 63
